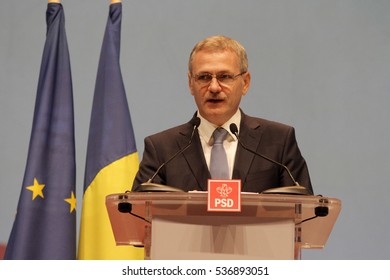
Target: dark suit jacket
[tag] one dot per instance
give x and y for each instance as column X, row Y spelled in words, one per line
column 189, row 170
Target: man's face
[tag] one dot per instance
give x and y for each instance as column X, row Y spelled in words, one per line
column 217, row 101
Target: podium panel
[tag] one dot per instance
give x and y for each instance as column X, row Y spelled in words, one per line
column 178, row 225
column 205, row 238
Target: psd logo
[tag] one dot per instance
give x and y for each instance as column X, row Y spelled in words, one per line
column 224, row 195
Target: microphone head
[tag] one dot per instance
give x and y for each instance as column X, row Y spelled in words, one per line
column 195, row 121
column 233, row 128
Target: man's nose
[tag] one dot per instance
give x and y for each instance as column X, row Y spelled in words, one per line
column 214, row 85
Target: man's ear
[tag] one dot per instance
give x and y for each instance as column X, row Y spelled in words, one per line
column 190, row 83
column 247, row 81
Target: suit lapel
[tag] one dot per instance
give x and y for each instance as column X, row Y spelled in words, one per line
column 195, row 157
column 250, row 136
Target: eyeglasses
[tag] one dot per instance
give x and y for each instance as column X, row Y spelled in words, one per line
column 222, row 78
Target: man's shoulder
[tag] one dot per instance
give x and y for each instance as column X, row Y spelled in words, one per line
column 257, row 123
column 172, row 131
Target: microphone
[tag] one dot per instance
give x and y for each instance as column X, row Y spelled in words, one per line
column 149, row 186
column 296, row 189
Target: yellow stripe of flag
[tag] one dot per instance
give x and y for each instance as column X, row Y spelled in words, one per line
column 96, row 236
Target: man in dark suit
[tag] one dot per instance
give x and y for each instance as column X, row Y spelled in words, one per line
column 218, row 78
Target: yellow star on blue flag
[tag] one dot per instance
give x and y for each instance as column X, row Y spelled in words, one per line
column 36, row 189
column 72, row 201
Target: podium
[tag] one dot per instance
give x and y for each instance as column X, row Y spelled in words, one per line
column 177, row 225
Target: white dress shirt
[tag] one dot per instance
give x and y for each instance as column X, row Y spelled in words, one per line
column 206, row 130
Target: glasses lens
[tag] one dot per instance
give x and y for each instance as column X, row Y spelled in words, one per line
column 225, row 78
column 204, row 78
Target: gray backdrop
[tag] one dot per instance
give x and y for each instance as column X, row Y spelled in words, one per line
column 320, row 65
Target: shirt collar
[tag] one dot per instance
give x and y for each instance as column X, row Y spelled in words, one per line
column 207, row 128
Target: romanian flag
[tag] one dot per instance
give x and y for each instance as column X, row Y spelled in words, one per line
column 45, row 223
column 112, row 159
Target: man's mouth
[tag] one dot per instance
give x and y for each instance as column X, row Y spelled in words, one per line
column 214, row 100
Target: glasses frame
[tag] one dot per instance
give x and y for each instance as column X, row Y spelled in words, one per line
column 207, row 82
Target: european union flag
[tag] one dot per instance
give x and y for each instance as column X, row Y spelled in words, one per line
column 45, row 223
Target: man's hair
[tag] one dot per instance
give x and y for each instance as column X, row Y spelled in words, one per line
column 221, row 43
